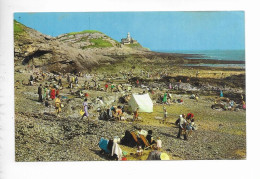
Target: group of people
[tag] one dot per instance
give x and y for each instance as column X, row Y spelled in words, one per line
column 155, row 144
column 186, row 124
column 49, row 92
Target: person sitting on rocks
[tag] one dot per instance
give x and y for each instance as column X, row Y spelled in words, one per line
column 139, row 151
column 119, row 113
column 149, row 137
column 158, row 144
column 113, row 110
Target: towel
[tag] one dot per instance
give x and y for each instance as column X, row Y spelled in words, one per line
column 116, row 150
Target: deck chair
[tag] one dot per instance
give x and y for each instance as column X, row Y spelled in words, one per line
column 135, row 137
column 146, row 143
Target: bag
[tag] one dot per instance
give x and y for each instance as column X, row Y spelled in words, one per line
column 81, row 112
column 57, row 105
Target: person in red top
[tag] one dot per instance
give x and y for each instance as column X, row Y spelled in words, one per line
column 52, row 93
column 106, row 86
column 190, row 116
column 57, row 92
column 137, row 82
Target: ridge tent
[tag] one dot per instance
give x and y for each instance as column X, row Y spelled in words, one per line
column 143, row 102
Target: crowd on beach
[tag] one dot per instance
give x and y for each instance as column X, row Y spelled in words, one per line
column 51, row 93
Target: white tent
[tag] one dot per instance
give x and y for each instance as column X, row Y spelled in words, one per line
column 143, row 102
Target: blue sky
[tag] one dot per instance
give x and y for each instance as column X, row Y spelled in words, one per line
column 159, row 31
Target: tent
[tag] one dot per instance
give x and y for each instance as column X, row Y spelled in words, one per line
column 143, row 102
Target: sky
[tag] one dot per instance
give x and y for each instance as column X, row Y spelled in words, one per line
column 158, row 31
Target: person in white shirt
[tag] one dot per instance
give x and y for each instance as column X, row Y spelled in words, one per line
column 159, row 144
column 182, row 127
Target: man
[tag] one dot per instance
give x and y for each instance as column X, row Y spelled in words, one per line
column 59, row 82
column 112, row 87
column 40, row 93
column 182, row 127
column 58, row 105
column 68, row 78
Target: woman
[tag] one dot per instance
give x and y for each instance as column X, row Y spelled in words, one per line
column 58, row 105
column 85, row 107
column 165, row 98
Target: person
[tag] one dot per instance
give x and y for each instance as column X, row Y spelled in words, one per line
column 221, row 93
column 190, row 116
column 76, row 80
column 40, row 93
column 158, row 143
column 119, row 113
column 137, row 82
column 197, row 97
column 53, row 93
column 106, row 86
column 112, row 87
column 190, row 126
column 149, row 137
column 59, row 82
column 243, row 104
column 170, row 86
column 68, row 78
column 58, row 105
column 73, row 79
column 164, row 98
column 113, row 110
column 98, row 87
column 57, row 92
column 139, row 150
column 164, row 114
column 182, row 127
column 70, row 85
column 31, row 78
column 135, row 117
column 85, row 107
column 45, row 92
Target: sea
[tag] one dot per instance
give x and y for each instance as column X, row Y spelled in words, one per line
column 229, row 55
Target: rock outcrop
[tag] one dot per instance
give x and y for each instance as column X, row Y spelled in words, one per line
column 70, row 52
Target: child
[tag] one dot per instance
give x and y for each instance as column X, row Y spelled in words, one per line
column 139, row 151
column 159, row 144
column 135, row 117
column 164, row 114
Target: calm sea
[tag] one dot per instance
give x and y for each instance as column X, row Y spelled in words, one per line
column 236, row 55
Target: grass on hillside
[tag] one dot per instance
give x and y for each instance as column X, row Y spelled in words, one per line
column 18, row 29
column 98, row 43
column 83, row 32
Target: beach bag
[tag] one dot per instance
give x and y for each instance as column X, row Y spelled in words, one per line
column 81, row 112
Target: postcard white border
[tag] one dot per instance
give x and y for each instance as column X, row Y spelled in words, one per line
column 239, row 169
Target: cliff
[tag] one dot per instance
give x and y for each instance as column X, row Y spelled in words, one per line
column 71, row 52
